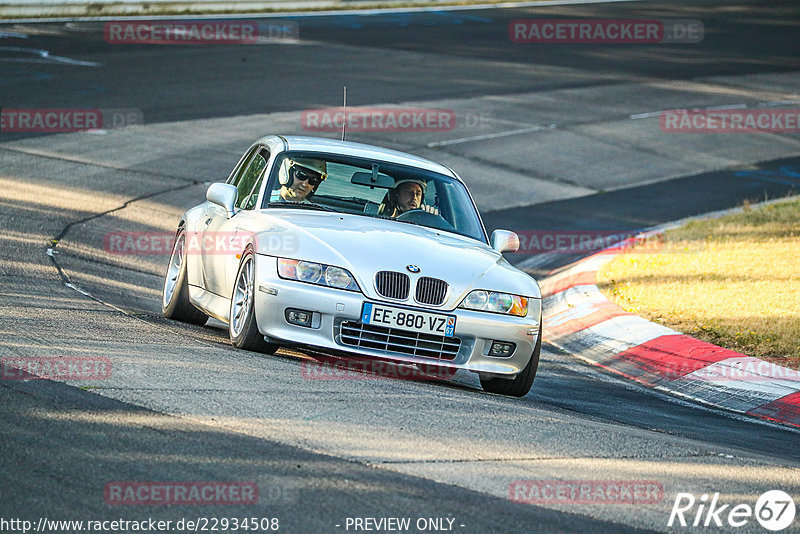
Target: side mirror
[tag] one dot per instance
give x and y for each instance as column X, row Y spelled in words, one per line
column 223, row 195
column 505, row 241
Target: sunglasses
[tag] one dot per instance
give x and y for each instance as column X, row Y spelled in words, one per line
column 314, row 179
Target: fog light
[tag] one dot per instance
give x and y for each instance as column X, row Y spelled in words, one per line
column 501, row 349
column 298, row 317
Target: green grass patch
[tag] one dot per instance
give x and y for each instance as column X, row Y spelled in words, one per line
column 732, row 281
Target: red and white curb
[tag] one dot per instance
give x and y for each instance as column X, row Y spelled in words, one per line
column 579, row 319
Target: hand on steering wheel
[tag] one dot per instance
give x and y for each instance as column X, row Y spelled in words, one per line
column 429, row 209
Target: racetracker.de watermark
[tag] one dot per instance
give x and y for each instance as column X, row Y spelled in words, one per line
column 55, row 368
column 165, row 32
column 730, row 121
column 586, row 241
column 605, row 31
column 366, row 119
column 586, row 491
column 207, row 243
column 371, row 369
column 744, row 369
column 180, row 493
column 62, row 120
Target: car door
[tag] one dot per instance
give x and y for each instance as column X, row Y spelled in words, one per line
column 222, row 238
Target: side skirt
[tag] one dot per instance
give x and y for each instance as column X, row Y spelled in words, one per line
column 212, row 304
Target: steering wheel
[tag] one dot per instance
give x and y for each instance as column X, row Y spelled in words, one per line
column 426, row 218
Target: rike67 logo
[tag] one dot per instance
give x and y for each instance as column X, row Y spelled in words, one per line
column 774, row 510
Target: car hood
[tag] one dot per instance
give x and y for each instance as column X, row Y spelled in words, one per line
column 365, row 245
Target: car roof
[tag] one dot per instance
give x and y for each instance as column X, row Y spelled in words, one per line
column 348, row 148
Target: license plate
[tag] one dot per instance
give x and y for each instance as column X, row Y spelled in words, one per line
column 415, row 321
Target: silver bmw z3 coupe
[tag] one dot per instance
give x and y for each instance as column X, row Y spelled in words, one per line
column 352, row 248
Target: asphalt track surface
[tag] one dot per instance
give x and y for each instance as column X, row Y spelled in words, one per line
column 182, row 405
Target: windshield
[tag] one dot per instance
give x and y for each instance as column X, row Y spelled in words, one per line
column 373, row 189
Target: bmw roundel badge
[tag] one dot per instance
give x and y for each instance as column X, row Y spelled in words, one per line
column 412, row 268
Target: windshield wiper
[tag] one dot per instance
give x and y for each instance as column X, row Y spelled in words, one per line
column 300, row 205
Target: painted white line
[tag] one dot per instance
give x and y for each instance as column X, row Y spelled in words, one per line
column 4, row 35
column 648, row 115
column 43, row 56
column 490, row 136
column 791, row 102
column 729, row 106
column 652, row 114
column 265, row 39
column 78, row 289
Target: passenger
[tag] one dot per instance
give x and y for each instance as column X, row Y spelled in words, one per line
column 300, row 178
column 407, row 195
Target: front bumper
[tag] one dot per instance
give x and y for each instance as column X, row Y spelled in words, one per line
column 332, row 307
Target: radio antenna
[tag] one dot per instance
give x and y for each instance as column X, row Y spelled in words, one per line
column 344, row 124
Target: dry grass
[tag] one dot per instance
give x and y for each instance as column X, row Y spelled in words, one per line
column 733, row 281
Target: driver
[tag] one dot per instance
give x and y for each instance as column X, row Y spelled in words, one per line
column 300, row 178
column 407, row 195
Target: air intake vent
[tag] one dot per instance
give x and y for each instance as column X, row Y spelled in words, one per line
column 430, row 291
column 392, row 340
column 392, row 285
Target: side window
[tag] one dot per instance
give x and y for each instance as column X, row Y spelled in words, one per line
column 237, row 175
column 249, row 182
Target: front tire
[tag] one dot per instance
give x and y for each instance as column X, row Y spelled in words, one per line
column 242, row 327
column 521, row 384
column 175, row 295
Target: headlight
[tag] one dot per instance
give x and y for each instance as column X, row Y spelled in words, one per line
column 308, row 272
column 336, row 277
column 492, row 301
column 316, row 273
